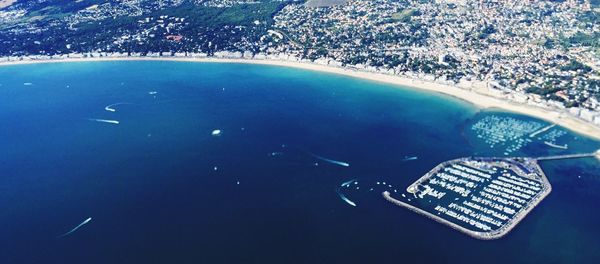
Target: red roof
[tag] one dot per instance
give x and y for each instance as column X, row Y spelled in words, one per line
column 175, row 37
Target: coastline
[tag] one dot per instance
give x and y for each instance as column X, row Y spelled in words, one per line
column 480, row 97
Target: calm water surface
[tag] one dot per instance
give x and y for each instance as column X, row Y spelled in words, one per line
column 161, row 189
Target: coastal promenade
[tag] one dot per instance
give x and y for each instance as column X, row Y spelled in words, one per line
column 479, row 96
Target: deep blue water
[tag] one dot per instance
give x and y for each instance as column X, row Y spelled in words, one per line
column 154, row 195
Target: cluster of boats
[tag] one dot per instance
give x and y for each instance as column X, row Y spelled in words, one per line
column 512, row 134
column 485, row 195
column 462, row 218
column 506, row 131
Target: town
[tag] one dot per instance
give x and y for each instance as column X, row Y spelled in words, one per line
column 542, row 53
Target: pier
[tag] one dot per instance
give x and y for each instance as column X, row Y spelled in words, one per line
column 541, row 130
column 571, row 156
column 555, row 145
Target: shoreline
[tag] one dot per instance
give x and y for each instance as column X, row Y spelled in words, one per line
column 480, row 97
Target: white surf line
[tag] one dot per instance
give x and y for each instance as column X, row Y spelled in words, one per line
column 77, row 227
column 345, row 184
column 104, row 121
column 410, row 158
column 110, row 107
column 344, row 198
column 341, row 163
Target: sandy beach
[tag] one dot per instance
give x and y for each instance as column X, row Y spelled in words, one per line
column 5, row 3
column 480, row 97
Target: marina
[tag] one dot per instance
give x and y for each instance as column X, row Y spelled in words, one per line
column 505, row 133
column 482, row 197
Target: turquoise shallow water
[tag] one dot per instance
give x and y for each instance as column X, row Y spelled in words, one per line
column 161, row 189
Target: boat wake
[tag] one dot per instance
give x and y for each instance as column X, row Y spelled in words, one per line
column 343, row 197
column 346, row 184
column 336, row 162
column 111, row 108
column 75, row 229
column 104, row 121
column 304, row 151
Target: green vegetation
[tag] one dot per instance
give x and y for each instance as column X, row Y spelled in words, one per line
column 45, row 12
column 212, row 17
column 581, row 39
column 486, row 31
column 574, row 65
column 589, row 17
column 220, row 28
column 405, row 15
column 56, row 9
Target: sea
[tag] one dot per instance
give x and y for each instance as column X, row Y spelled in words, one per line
column 183, row 162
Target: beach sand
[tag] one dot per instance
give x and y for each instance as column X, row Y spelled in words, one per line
column 5, row 3
column 480, row 97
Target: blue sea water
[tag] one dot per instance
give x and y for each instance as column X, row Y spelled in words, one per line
column 161, row 189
